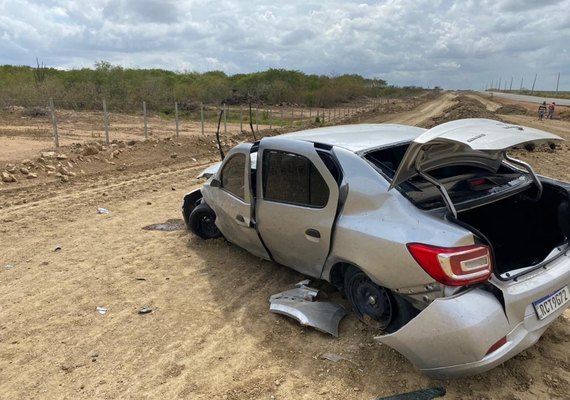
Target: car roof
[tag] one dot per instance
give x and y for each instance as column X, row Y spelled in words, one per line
column 358, row 137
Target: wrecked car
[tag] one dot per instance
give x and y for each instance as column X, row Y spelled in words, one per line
column 456, row 251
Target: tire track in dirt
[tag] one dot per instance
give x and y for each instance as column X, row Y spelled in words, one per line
column 422, row 113
column 88, row 188
column 210, row 334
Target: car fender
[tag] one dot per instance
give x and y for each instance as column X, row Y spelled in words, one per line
column 190, row 202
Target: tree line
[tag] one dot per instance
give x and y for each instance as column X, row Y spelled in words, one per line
column 124, row 89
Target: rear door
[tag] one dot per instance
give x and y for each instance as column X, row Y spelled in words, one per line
column 296, row 205
column 232, row 201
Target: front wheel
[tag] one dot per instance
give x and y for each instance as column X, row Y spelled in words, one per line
column 202, row 222
column 375, row 305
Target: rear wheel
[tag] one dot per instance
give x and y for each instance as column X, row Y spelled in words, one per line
column 202, row 222
column 375, row 305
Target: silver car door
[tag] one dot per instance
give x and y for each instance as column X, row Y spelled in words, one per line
column 296, row 204
column 232, row 199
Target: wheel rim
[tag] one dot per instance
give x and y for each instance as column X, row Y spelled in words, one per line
column 371, row 302
column 208, row 225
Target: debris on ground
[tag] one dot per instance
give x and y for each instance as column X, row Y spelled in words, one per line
column 101, row 310
column 423, row 394
column 145, row 310
column 333, row 357
column 301, row 304
column 102, row 211
column 169, row 225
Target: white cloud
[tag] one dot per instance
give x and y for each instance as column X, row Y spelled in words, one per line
column 437, row 42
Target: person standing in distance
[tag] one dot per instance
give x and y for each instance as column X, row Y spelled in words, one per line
column 551, row 110
column 541, row 110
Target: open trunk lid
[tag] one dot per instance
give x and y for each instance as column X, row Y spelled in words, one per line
column 478, row 142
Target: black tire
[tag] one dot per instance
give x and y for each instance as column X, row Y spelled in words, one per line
column 376, row 306
column 202, row 222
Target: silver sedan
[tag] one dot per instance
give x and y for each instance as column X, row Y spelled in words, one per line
column 457, row 252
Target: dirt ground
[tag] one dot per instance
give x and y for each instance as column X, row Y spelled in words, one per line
column 210, row 334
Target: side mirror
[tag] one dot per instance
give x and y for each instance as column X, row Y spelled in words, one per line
column 215, row 183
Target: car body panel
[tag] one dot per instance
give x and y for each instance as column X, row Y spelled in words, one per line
column 479, row 142
column 359, row 137
column 467, row 324
column 371, row 212
column 284, row 227
column 301, row 304
column 234, row 215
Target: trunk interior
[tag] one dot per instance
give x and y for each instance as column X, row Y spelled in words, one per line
column 523, row 232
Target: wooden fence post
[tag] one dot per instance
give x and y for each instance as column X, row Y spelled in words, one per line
column 106, row 121
column 269, row 114
column 202, row 117
column 240, row 119
column 54, row 123
column 176, row 117
column 256, row 119
column 145, row 122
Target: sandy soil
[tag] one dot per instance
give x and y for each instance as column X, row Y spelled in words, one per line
column 210, row 335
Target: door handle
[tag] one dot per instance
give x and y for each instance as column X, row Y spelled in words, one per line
column 313, row 233
column 241, row 220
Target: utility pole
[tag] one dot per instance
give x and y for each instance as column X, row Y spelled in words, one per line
column 532, row 90
column 557, row 82
column 521, row 84
column 511, row 87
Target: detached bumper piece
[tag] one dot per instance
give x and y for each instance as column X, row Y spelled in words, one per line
column 301, row 304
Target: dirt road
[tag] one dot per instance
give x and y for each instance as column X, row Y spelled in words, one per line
column 210, row 334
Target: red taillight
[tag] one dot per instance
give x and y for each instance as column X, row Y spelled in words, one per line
column 500, row 343
column 456, row 266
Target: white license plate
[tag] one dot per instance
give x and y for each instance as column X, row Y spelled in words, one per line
column 548, row 304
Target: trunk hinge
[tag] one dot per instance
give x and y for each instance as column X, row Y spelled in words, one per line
column 531, row 172
column 440, row 187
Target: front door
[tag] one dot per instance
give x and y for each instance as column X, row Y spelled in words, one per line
column 296, row 204
column 232, row 201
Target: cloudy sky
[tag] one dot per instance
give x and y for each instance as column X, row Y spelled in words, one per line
column 452, row 44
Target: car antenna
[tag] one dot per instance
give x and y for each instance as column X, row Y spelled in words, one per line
column 251, row 122
column 218, row 131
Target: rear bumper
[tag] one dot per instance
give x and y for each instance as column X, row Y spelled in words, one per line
column 452, row 336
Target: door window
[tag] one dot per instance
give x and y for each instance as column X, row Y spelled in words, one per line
column 291, row 178
column 233, row 176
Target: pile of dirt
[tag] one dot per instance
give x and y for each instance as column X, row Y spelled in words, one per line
column 564, row 114
column 466, row 107
column 512, row 109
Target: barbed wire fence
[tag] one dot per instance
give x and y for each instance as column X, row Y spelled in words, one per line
column 60, row 121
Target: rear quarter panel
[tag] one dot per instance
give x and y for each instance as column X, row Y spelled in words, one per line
column 375, row 225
